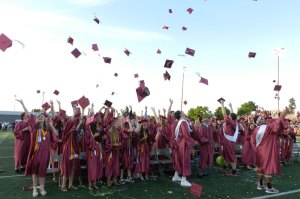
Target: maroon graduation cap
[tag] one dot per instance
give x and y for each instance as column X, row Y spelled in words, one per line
column 96, row 20
column 196, row 190
column 185, row 102
column 116, row 74
column 70, row 40
column 62, row 113
column 190, row 10
column 190, row 51
column 136, row 75
column 277, row 88
column 56, row 92
column 46, row 106
column 76, row 53
column 5, row 42
column 168, row 63
column 83, row 102
column 74, row 103
column 184, row 28
column 127, row 52
column 95, row 47
column 165, row 27
column 158, row 51
column 90, row 120
column 251, row 54
column 221, row 99
column 107, row 60
column 203, row 81
column 107, row 103
column 170, row 11
column 38, row 91
column 167, row 76
column 142, row 91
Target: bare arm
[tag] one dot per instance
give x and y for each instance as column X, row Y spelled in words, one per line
column 223, row 109
column 52, row 108
column 230, row 106
column 155, row 115
column 24, row 107
column 170, row 107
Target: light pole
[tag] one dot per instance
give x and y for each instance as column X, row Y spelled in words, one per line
column 15, row 103
column 278, row 52
column 43, row 97
column 182, row 88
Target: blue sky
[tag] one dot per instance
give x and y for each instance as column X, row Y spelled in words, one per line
column 221, row 32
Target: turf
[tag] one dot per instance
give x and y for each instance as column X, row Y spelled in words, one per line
column 215, row 186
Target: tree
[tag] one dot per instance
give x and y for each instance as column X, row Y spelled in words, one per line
column 36, row 110
column 292, row 105
column 194, row 113
column 218, row 113
column 246, row 108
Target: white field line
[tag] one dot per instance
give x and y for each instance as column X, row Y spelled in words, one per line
column 276, row 195
column 13, row 176
column 7, row 157
column 3, row 138
column 10, row 147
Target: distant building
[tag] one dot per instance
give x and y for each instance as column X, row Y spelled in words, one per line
column 10, row 116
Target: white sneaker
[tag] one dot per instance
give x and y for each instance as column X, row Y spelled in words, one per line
column 176, row 178
column 261, row 187
column 43, row 192
column 272, row 190
column 185, row 183
column 35, row 193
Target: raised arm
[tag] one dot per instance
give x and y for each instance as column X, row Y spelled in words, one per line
column 58, row 102
column 52, row 108
column 223, row 109
column 24, row 107
column 155, row 115
column 230, row 106
column 170, row 107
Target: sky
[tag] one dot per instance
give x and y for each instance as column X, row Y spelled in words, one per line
column 222, row 33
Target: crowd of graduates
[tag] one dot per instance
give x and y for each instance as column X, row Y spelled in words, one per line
column 117, row 145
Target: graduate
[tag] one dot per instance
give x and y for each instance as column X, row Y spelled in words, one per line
column 43, row 137
column 71, row 148
column 206, row 146
column 184, row 142
column 22, row 144
column 229, row 134
column 265, row 139
column 248, row 152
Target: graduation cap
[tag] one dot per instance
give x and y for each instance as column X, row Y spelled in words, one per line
column 95, row 47
column 5, row 42
column 107, row 60
column 136, row 75
column 190, row 10
column 189, row 51
column 165, row 27
column 185, row 102
column 196, row 190
column 116, row 74
column 70, row 40
column 168, row 63
column 74, row 103
column 158, row 51
column 142, row 91
column 38, row 91
column 83, row 102
column 112, row 93
column 76, row 53
column 90, row 120
column 107, row 103
column 56, row 92
column 221, row 99
column 127, row 52
column 184, row 28
column 170, row 11
column 277, row 88
column 203, row 80
column 96, row 20
column 251, row 54
column 46, row 106
column 62, row 113
column 167, row 76
column 97, row 85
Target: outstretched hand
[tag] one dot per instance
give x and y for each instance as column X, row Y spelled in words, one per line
column 20, row 100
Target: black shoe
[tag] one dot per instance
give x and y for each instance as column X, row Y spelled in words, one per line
column 17, row 171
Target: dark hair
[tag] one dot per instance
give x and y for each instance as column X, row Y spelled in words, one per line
column 177, row 115
column 233, row 116
column 22, row 115
column 255, row 118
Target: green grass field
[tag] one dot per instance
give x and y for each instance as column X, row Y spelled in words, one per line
column 215, row 186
